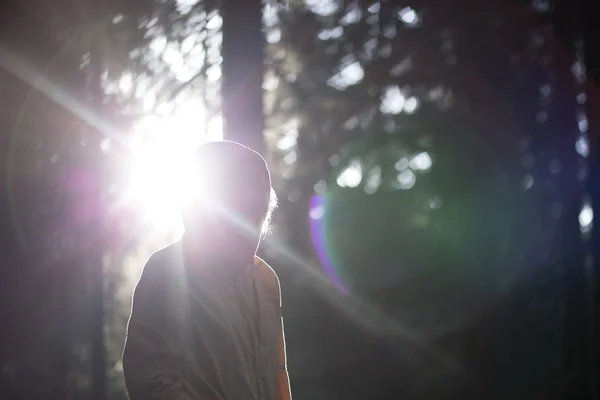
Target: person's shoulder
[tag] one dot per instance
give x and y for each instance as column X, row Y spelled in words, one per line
column 159, row 286
column 264, row 267
column 267, row 274
column 163, row 262
column 166, row 254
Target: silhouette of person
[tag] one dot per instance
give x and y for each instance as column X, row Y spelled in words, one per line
column 206, row 317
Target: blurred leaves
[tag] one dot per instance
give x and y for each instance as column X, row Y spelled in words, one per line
column 358, row 91
column 437, row 127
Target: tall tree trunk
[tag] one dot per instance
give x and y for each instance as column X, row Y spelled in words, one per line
column 95, row 95
column 243, row 56
column 574, row 28
column 591, row 31
column 63, row 341
column 97, row 330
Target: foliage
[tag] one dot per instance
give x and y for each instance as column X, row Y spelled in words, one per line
column 369, row 93
column 65, row 149
column 440, row 134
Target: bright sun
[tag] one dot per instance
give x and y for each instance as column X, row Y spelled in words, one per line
column 160, row 174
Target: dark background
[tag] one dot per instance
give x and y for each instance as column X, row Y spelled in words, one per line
column 473, row 277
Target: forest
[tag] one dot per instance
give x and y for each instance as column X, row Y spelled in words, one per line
column 437, row 164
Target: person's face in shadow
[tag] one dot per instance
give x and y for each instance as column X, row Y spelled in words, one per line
column 219, row 220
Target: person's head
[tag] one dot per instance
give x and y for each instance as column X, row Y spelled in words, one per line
column 235, row 199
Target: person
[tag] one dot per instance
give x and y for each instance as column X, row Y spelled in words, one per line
column 206, row 318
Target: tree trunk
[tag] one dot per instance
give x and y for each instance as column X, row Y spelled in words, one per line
column 243, row 55
column 95, row 258
column 591, row 30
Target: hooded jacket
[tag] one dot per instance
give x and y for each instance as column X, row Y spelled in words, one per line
column 213, row 332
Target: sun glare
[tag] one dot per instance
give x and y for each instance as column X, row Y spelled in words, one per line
column 161, row 175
